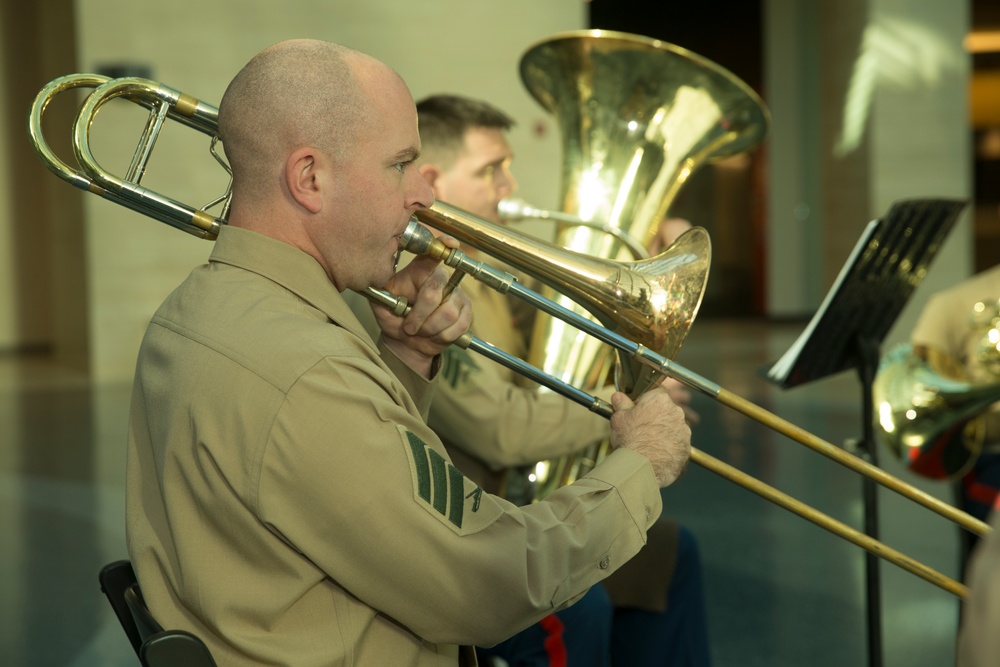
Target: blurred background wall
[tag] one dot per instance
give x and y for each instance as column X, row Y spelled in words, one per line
column 870, row 102
column 81, row 275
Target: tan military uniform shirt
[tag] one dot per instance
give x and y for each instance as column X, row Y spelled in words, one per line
column 946, row 324
column 525, row 424
column 490, row 418
column 287, row 503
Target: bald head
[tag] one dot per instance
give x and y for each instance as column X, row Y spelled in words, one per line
column 299, row 92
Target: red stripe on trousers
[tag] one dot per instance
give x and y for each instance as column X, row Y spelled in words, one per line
column 554, row 646
column 979, row 492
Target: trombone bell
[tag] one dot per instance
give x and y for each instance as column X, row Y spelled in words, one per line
column 651, row 302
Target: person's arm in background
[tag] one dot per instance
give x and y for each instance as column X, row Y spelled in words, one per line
column 978, row 639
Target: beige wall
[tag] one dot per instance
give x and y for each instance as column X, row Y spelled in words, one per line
column 921, row 106
column 870, row 106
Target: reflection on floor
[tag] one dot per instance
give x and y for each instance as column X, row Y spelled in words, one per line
column 781, row 591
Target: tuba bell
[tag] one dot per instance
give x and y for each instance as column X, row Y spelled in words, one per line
column 637, row 117
column 929, row 413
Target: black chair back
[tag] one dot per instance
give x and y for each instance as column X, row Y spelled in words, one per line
column 115, row 579
column 155, row 646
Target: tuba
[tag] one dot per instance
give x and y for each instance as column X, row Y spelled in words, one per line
column 929, row 413
column 637, row 117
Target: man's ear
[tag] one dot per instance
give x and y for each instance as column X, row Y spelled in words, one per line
column 431, row 173
column 302, row 178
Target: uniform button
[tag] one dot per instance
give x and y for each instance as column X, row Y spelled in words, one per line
column 647, row 512
column 605, row 562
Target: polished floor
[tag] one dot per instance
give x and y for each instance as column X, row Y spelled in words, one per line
column 781, row 592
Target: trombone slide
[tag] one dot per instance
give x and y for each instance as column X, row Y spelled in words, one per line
column 667, row 367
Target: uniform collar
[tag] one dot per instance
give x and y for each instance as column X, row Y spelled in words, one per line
column 289, row 267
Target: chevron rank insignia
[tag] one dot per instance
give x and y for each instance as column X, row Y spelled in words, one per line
column 459, row 364
column 445, row 491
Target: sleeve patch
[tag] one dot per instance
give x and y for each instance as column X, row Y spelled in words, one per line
column 439, row 483
column 446, row 492
column 459, row 364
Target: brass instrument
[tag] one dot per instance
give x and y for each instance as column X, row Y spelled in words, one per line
column 513, row 210
column 930, row 414
column 637, row 117
column 572, row 272
column 163, row 103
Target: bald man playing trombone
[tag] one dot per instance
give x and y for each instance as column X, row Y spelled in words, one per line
column 286, row 500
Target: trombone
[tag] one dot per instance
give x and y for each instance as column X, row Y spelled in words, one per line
column 598, row 284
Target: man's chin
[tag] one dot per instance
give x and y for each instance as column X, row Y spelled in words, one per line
column 494, row 217
column 382, row 281
column 381, row 284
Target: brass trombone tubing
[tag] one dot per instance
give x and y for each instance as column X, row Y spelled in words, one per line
column 72, row 176
column 740, row 478
column 127, row 192
column 836, row 527
column 419, row 241
column 450, row 220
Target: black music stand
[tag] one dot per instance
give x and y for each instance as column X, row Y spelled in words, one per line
column 886, row 265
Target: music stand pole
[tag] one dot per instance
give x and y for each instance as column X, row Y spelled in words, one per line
column 868, row 360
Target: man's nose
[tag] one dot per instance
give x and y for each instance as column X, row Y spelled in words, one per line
column 421, row 194
column 506, row 184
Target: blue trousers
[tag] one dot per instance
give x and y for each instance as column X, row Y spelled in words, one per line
column 592, row 633
column 679, row 636
column 579, row 635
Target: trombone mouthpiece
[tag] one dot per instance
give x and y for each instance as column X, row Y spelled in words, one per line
column 514, row 209
column 416, row 238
